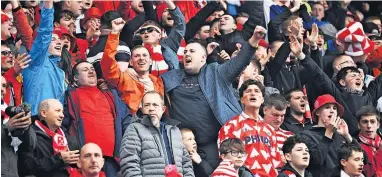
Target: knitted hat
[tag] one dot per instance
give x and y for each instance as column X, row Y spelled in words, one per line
column 93, row 12
column 107, row 18
column 160, row 9
column 4, row 17
column 323, row 100
column 356, row 42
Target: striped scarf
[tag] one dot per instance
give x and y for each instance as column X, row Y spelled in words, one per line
column 159, row 65
column 374, row 143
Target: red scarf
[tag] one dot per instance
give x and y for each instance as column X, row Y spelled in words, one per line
column 371, row 142
column 59, row 141
column 77, row 173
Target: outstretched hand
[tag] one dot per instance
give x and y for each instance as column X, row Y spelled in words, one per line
column 295, row 45
column 313, row 38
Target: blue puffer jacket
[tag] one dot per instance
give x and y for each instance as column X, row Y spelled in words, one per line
column 216, row 83
column 43, row 79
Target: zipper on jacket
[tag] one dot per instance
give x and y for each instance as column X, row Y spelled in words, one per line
column 209, row 102
column 163, row 145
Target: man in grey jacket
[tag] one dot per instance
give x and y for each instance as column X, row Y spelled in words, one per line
column 153, row 142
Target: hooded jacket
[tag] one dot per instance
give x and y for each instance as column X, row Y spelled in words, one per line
column 143, row 150
column 43, row 79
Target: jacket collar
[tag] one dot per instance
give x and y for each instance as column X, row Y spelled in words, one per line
column 288, row 167
column 146, row 120
column 343, row 174
column 290, row 119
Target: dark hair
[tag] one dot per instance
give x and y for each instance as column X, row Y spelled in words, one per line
column 291, row 141
column 275, row 100
column 216, row 20
column 367, row 110
column 107, row 18
column 344, row 72
column 317, row 3
column 257, row 64
column 75, row 70
column 58, row 15
column 66, row 63
column 287, row 22
column 198, row 42
column 232, row 144
column 288, row 94
column 234, row 19
column 347, row 149
column 249, row 82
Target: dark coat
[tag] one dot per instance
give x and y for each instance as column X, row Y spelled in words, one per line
column 41, row 161
column 323, row 151
column 9, row 159
column 289, row 168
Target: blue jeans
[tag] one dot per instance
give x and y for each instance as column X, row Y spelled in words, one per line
column 111, row 167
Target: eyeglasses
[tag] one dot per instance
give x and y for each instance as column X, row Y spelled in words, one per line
column 236, row 153
column 148, row 29
column 6, row 53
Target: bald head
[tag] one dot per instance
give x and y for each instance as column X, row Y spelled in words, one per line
column 342, row 61
column 91, row 160
column 46, row 104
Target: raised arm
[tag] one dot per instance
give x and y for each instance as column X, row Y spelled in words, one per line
column 199, row 19
column 109, row 65
column 174, row 39
column 22, row 25
column 39, row 50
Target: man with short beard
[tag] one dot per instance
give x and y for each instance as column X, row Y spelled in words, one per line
column 295, row 120
column 44, row 79
column 103, row 117
column 208, row 89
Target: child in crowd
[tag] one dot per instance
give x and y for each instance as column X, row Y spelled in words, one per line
column 233, row 154
column 201, row 167
column 297, row 156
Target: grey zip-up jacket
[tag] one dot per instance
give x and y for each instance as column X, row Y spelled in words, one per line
column 143, row 151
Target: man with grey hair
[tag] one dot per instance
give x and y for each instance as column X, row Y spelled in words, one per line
column 154, row 143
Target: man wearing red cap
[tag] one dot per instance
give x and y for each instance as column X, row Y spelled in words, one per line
column 326, row 139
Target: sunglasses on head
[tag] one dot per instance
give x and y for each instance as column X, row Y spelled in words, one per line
column 148, row 29
column 6, row 53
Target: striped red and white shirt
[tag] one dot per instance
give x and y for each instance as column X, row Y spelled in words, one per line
column 260, row 143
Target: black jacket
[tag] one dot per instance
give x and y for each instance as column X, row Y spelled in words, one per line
column 323, row 151
column 293, row 125
column 41, row 162
column 350, row 102
column 289, row 168
column 204, row 168
column 9, row 160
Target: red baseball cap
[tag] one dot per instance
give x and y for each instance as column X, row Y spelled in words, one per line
column 263, row 43
column 93, row 12
column 323, row 100
column 60, row 31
